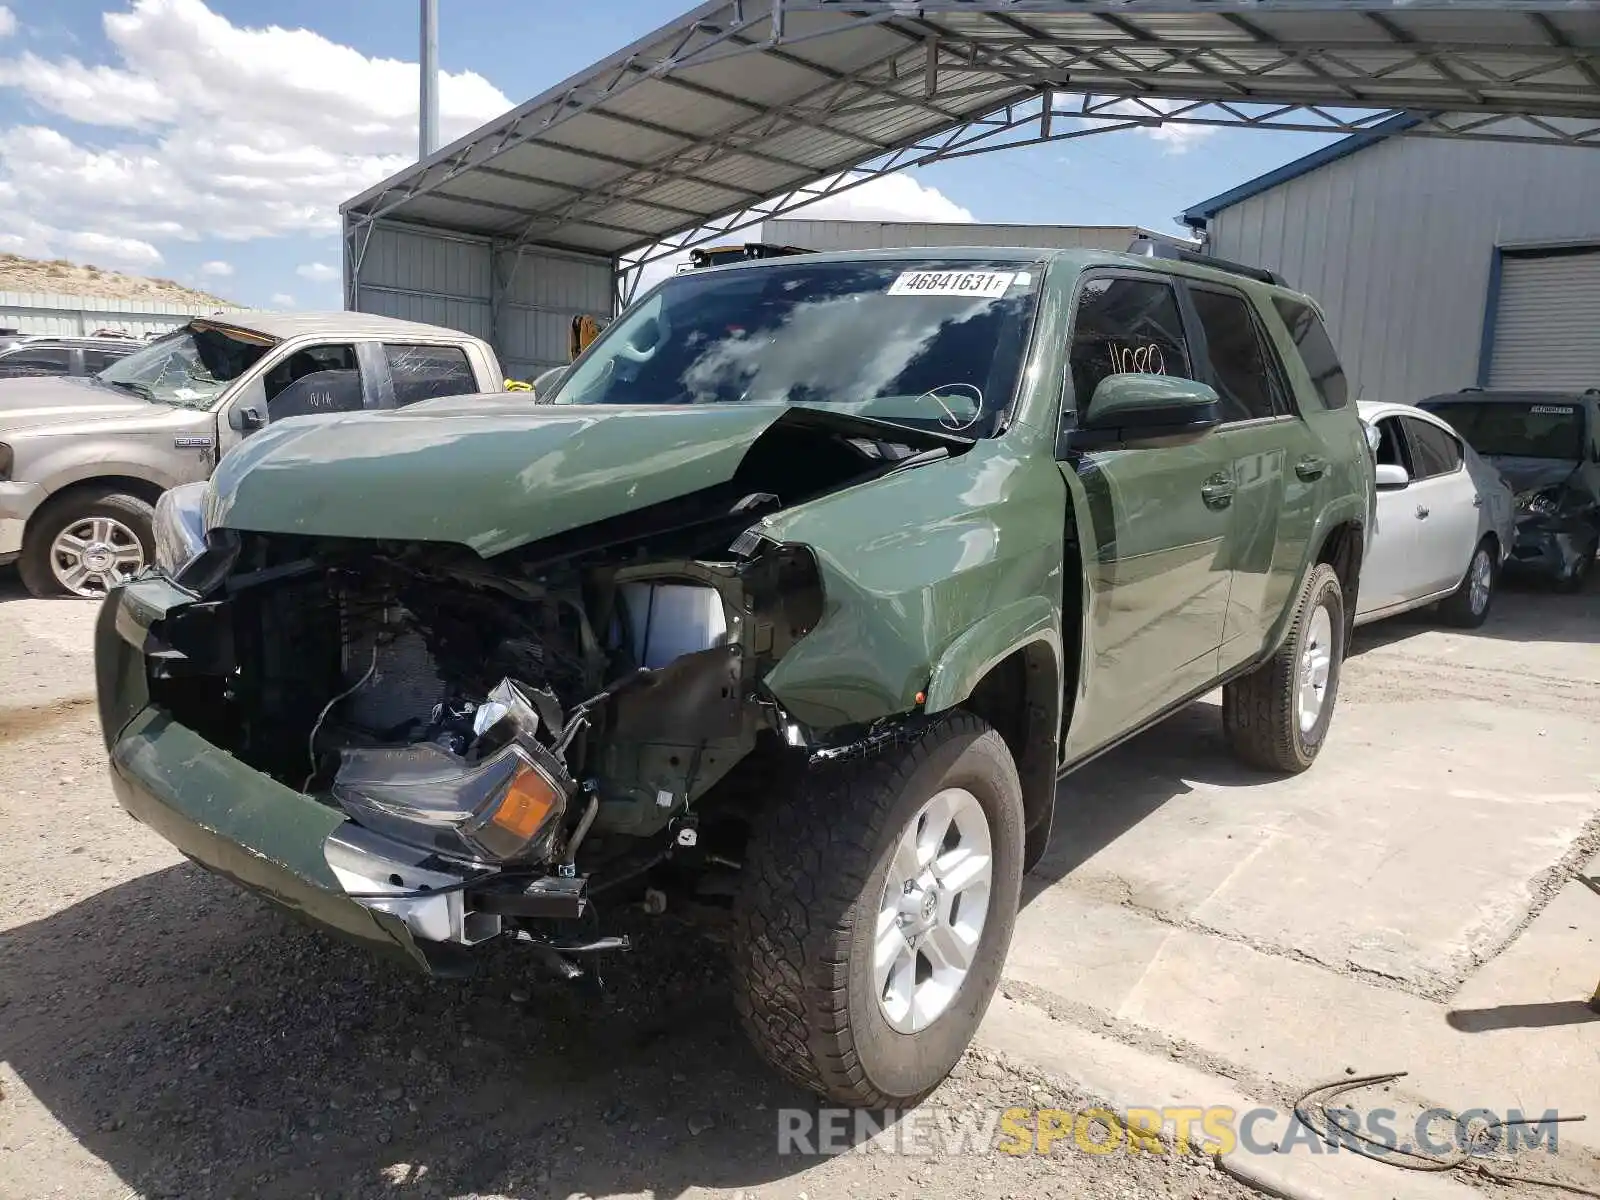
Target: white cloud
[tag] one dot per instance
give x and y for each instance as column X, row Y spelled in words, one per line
column 217, row 269
column 1177, row 138
column 221, row 130
column 37, row 239
column 282, row 300
column 317, row 272
column 896, row 197
column 8, row 21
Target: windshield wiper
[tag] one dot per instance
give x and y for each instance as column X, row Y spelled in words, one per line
column 138, row 389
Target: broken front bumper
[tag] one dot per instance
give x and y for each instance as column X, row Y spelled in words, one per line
column 253, row 830
column 305, row 856
column 1549, row 551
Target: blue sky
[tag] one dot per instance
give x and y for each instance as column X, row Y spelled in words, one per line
column 187, row 139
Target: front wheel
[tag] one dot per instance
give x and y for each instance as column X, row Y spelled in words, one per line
column 1468, row 606
column 85, row 542
column 1277, row 716
column 875, row 914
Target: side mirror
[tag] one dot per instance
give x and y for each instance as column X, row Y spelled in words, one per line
column 1136, row 411
column 246, row 418
column 545, row 382
column 1391, row 477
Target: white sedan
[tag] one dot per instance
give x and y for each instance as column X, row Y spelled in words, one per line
column 1445, row 520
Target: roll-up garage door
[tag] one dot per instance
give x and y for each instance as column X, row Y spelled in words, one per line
column 1547, row 322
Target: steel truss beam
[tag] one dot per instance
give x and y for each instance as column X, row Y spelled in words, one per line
column 1030, row 82
column 1066, row 117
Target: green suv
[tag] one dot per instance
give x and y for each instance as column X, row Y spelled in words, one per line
column 796, row 595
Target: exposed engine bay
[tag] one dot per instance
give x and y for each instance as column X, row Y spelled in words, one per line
column 506, row 733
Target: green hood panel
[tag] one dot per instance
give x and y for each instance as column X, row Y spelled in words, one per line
column 490, row 479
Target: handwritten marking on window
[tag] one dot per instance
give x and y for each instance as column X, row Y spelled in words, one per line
column 1138, row 360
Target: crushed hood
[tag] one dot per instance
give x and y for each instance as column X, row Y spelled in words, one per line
column 492, row 476
column 1531, row 474
column 30, row 402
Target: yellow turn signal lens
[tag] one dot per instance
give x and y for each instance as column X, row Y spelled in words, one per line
column 526, row 804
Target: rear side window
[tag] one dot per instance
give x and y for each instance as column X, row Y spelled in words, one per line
column 426, row 372
column 95, row 361
column 1316, row 351
column 1433, row 451
column 36, row 360
column 1241, row 371
column 1125, row 326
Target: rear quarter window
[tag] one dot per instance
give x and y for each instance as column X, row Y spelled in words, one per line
column 427, row 372
column 1316, row 351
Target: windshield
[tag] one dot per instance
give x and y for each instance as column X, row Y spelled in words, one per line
column 189, row 367
column 1518, row 430
column 929, row 343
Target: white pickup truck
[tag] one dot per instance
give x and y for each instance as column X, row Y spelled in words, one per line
column 83, row 460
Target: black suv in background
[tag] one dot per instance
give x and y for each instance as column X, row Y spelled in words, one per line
column 1547, row 446
column 45, row 354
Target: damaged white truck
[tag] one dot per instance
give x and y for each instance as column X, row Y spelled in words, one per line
column 800, row 588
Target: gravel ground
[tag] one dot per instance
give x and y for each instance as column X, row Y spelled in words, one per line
column 162, row 1034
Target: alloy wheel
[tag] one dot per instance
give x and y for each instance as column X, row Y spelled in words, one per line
column 91, row 556
column 933, row 911
column 1316, row 663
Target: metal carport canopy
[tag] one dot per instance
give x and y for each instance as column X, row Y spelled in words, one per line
column 743, row 109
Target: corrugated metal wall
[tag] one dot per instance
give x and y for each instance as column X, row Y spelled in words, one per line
column 522, row 305
column 48, row 312
column 541, row 293
column 1396, row 242
column 872, row 235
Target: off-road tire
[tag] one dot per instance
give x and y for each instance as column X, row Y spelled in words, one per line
column 55, row 514
column 1258, row 709
column 804, row 920
column 1456, row 608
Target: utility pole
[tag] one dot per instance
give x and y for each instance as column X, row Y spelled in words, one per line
column 428, row 110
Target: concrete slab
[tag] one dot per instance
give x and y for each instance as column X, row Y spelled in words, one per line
column 1130, row 1078
column 1327, row 864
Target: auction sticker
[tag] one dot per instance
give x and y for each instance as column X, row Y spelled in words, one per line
column 1552, row 410
column 952, row 283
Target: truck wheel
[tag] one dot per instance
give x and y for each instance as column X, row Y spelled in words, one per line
column 875, row 912
column 1468, row 606
column 86, row 542
column 1277, row 716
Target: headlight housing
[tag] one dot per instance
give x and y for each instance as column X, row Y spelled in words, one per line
column 1541, row 502
column 500, row 809
column 180, row 527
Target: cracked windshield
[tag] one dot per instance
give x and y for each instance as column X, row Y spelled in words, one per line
column 190, row 367
column 927, row 343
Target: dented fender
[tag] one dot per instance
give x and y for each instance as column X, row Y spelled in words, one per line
column 918, row 571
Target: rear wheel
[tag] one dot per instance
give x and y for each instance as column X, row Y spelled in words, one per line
column 1468, row 606
column 875, row 913
column 86, row 542
column 1277, row 716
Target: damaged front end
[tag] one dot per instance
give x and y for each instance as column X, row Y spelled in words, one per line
column 464, row 748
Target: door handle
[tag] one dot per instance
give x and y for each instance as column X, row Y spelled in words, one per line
column 1422, row 513
column 1310, row 467
column 1217, row 492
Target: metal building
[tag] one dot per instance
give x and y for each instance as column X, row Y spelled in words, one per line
column 873, row 235
column 1441, row 264
column 740, row 112
column 78, row 316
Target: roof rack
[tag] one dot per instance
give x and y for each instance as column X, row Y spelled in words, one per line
column 714, row 256
column 1150, row 248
